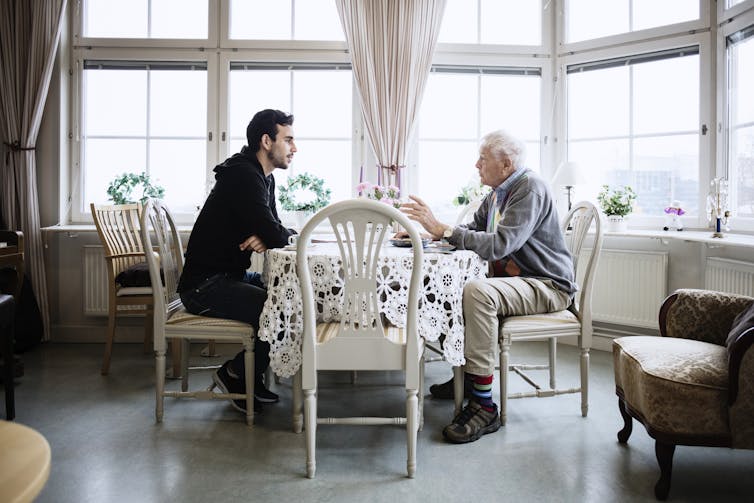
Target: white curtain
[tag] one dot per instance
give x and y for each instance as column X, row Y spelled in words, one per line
column 29, row 33
column 391, row 44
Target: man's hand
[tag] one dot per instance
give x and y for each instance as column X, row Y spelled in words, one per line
column 420, row 212
column 253, row 243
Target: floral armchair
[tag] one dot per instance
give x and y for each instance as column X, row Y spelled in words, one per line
column 694, row 385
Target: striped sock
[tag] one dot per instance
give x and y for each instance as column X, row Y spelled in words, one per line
column 482, row 392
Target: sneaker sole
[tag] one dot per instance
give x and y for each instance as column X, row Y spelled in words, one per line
column 266, row 400
column 490, row 428
column 219, row 383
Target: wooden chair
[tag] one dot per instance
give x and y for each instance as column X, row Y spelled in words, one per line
column 118, row 229
column 360, row 341
column 172, row 321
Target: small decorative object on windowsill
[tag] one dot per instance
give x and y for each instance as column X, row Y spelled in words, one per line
column 303, row 195
column 717, row 207
column 471, row 192
column 131, row 188
column 673, row 215
column 616, row 203
column 385, row 194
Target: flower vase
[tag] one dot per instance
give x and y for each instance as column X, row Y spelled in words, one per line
column 616, row 223
column 300, row 218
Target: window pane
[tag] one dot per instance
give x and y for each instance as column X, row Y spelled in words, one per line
column 511, row 102
column 602, row 162
column 106, row 115
column 441, row 117
column 651, row 13
column 255, row 90
column 132, row 19
column 741, row 63
column 459, row 22
column 260, row 19
column 320, row 107
column 455, row 162
column 179, row 166
column 742, row 167
column 103, row 160
column 327, row 159
column 598, row 104
column 178, row 103
column 741, row 127
column 317, row 20
column 663, row 90
column 511, row 22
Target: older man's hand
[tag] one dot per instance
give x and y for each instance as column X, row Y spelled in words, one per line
column 419, row 211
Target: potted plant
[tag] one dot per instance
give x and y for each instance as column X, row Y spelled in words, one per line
column 303, row 194
column 616, row 203
column 131, row 188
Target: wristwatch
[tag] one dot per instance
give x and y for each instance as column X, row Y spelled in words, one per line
column 447, row 233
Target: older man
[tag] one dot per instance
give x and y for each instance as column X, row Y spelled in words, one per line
column 517, row 230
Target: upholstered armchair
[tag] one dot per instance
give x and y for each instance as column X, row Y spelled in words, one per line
column 694, row 385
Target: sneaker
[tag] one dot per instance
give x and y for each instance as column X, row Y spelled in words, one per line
column 262, row 394
column 444, row 391
column 471, row 423
column 228, row 384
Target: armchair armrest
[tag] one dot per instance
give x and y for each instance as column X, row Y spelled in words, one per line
column 701, row 315
column 737, row 366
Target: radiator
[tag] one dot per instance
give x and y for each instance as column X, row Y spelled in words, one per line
column 629, row 287
column 730, row 276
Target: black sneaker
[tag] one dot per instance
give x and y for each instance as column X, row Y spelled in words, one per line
column 471, row 423
column 444, row 391
column 229, row 384
column 262, row 394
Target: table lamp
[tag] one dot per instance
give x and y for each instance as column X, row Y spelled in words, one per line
column 567, row 176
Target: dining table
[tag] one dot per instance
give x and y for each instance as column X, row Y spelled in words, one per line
column 446, row 271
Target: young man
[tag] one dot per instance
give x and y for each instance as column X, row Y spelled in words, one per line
column 516, row 229
column 238, row 217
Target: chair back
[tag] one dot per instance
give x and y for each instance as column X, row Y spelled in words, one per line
column 361, row 227
column 469, row 209
column 166, row 260
column 118, row 228
column 576, row 225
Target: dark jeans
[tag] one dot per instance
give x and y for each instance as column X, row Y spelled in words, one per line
column 220, row 296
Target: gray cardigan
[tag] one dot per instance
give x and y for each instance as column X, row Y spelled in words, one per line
column 528, row 233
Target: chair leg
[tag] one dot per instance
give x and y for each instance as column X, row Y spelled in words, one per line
column 109, row 336
column 421, row 395
column 664, row 453
column 176, row 353
column 412, row 427
column 310, row 415
column 553, row 350
column 458, row 385
column 584, row 364
column 184, row 354
column 627, row 422
column 159, row 365
column 298, row 418
column 148, row 330
column 505, row 349
column 249, row 373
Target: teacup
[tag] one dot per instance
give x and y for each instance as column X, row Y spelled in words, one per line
column 293, row 240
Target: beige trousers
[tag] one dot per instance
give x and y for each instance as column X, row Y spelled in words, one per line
column 486, row 301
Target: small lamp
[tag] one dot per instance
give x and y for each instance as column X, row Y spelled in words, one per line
column 567, row 176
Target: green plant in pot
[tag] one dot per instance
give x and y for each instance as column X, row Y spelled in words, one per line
column 616, row 203
column 303, row 194
column 131, row 188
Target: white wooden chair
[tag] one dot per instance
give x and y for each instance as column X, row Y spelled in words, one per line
column 360, row 341
column 575, row 321
column 118, row 230
column 171, row 320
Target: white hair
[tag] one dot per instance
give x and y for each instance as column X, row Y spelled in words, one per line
column 503, row 145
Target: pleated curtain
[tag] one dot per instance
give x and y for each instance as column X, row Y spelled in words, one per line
column 29, row 33
column 391, row 44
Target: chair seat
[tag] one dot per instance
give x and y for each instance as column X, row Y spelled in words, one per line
column 129, row 291
column 328, row 331
column 542, row 323
column 183, row 317
column 677, row 386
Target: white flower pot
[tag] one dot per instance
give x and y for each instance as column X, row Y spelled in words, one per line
column 300, row 218
column 616, row 223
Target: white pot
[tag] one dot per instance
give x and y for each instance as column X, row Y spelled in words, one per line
column 616, row 223
column 300, row 218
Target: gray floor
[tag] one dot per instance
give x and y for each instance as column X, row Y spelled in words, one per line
column 106, row 446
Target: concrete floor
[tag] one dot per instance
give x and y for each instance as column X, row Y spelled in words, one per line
column 106, row 446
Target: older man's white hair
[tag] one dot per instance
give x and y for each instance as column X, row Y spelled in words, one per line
column 503, row 145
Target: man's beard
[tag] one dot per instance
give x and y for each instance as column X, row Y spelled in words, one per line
column 279, row 164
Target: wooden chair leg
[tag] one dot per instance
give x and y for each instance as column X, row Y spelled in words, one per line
column 412, row 427
column 458, row 388
column 664, row 453
column 298, row 415
column 584, row 369
column 310, row 412
column 504, row 362
column 627, row 423
column 109, row 336
column 160, row 383
column 148, row 330
column 176, row 351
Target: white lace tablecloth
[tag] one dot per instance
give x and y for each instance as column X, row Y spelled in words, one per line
column 441, row 311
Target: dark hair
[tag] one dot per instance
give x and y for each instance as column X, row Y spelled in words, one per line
column 265, row 123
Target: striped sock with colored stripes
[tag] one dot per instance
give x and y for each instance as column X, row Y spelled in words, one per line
column 482, row 391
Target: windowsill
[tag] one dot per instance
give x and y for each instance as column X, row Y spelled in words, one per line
column 705, row 236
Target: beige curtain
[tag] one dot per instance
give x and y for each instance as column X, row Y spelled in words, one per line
column 391, row 44
column 29, row 33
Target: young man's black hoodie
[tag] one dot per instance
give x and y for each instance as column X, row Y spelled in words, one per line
column 241, row 204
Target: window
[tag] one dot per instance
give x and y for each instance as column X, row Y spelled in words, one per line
column 145, row 116
column 484, row 100
column 590, row 19
column 740, row 120
column 285, row 20
column 145, row 19
column 509, row 22
column 320, row 99
column 634, row 121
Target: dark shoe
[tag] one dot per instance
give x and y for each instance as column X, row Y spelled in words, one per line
column 262, row 394
column 229, row 384
column 444, row 391
column 471, row 423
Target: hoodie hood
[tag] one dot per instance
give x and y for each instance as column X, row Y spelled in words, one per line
column 240, row 160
